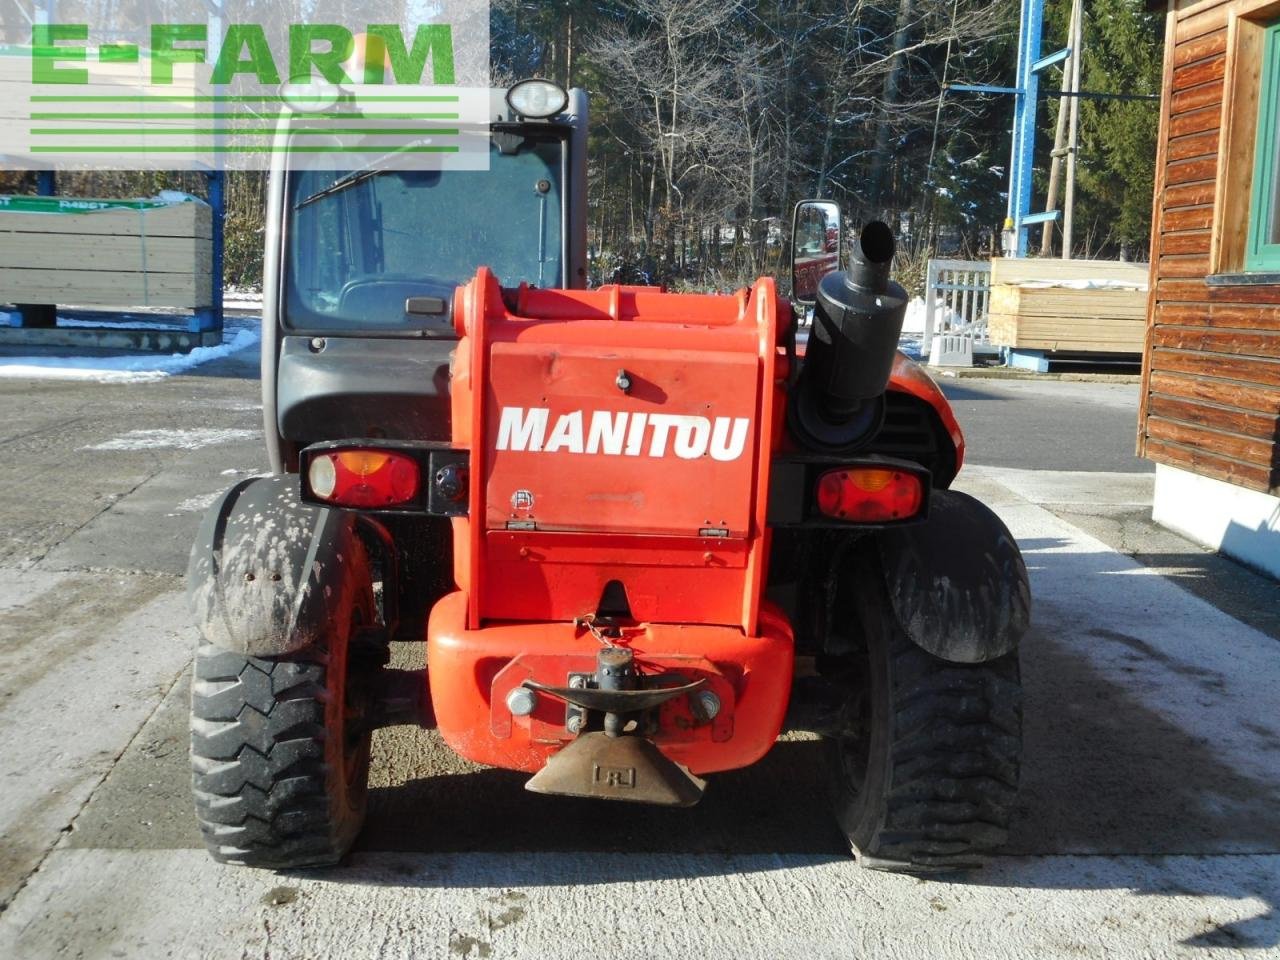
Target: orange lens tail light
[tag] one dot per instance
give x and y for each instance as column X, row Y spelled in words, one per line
column 869, row 494
column 364, row 478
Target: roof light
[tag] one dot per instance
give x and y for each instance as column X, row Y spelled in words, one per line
column 869, row 494
column 363, row 478
column 314, row 96
column 537, row 99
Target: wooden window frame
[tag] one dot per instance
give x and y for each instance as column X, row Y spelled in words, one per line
column 1263, row 208
column 1247, row 26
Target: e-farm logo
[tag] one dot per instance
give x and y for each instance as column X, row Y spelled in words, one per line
column 283, row 83
column 326, row 50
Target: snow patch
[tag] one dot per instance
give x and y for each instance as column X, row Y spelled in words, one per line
column 135, row 324
column 242, row 300
column 912, row 345
column 943, row 317
column 131, row 368
column 239, row 406
column 173, row 439
column 197, row 504
column 1082, row 284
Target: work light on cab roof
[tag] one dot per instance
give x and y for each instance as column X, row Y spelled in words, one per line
column 310, row 96
column 537, row 99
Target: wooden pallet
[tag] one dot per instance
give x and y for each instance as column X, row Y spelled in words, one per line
column 1050, row 270
column 158, row 256
column 1028, row 313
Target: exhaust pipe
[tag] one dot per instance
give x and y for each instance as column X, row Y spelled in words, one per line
column 838, row 400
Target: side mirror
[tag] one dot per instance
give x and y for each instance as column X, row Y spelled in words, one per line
column 815, row 246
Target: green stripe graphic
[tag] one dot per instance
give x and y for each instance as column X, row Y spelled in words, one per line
column 228, row 131
column 195, row 98
column 41, row 115
column 247, row 148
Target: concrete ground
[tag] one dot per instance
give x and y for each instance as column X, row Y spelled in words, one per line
column 1150, row 812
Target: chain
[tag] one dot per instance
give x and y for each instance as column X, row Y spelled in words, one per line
column 588, row 622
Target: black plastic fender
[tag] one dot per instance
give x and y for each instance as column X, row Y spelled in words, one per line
column 262, row 567
column 957, row 582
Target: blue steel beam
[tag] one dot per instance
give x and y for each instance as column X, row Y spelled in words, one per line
column 1044, row 63
column 1022, row 152
column 981, row 88
column 1047, row 216
column 209, row 319
column 1020, row 91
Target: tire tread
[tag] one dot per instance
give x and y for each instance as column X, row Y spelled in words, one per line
column 954, row 761
column 258, row 760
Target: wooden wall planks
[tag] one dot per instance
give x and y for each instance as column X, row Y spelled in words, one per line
column 1188, row 241
column 1223, row 392
column 1196, row 145
column 1211, row 372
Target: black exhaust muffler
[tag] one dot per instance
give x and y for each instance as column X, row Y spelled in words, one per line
column 837, row 404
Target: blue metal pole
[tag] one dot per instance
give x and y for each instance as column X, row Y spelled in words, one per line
column 1015, row 141
column 1024, row 122
column 39, row 314
column 209, row 319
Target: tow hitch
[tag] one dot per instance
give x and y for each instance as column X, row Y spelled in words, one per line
column 617, row 761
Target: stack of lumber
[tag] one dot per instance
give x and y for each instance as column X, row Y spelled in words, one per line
column 105, row 253
column 1094, row 306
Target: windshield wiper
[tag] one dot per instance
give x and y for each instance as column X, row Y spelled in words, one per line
column 348, row 180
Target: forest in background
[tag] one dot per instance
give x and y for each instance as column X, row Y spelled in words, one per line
column 710, row 120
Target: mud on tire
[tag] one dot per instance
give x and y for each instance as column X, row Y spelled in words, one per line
column 279, row 777
column 925, row 773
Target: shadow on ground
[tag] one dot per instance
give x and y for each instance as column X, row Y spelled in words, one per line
column 954, row 391
column 776, row 806
column 1108, row 771
column 1134, row 748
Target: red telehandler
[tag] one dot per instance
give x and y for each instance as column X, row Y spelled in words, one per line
column 640, row 533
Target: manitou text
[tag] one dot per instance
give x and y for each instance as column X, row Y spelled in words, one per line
column 619, row 434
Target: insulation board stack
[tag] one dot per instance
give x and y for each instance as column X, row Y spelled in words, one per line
column 1094, row 306
column 105, row 253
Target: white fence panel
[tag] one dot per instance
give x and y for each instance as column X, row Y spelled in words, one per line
column 956, row 298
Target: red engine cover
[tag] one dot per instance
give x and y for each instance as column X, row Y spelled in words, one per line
column 618, row 434
column 671, row 455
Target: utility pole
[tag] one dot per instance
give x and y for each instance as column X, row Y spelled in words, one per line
column 1059, row 140
column 1020, row 217
column 1073, row 124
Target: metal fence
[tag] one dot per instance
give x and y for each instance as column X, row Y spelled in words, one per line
column 955, row 299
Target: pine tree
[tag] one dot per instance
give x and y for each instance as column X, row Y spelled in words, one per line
column 1123, row 50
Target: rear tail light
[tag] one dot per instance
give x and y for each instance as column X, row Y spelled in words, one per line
column 870, row 494
column 364, row 478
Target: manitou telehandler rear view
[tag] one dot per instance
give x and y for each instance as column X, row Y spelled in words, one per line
column 640, row 533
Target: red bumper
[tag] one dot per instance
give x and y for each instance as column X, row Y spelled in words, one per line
column 472, row 671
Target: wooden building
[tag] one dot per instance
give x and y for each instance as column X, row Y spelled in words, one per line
column 1210, row 415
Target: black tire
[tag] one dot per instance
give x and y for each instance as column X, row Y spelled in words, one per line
column 925, row 771
column 280, row 764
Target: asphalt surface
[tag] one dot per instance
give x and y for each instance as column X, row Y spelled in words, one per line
column 1149, row 822
column 1049, row 425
